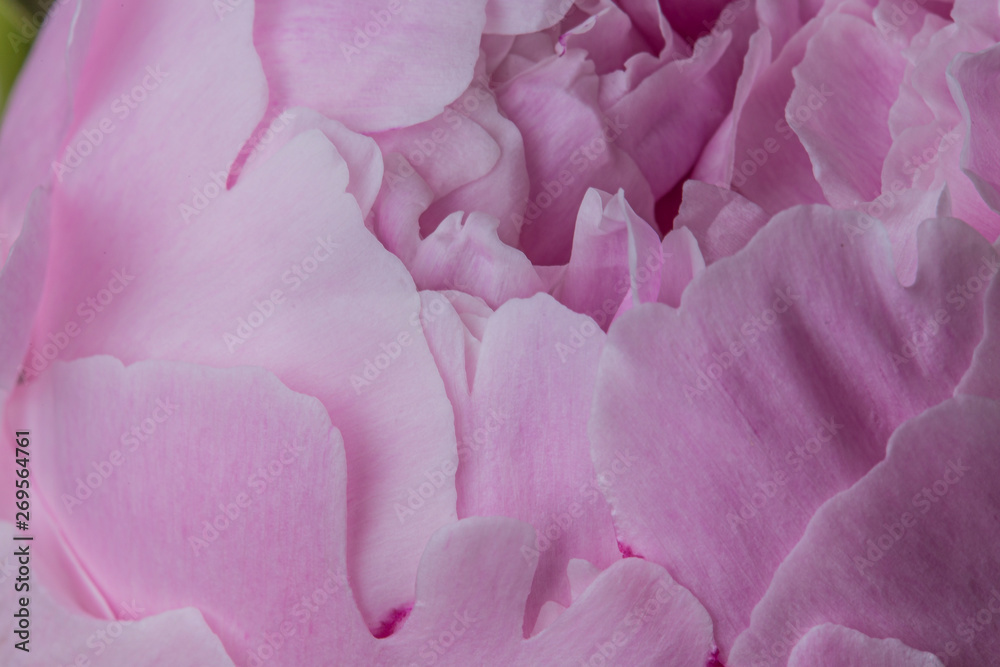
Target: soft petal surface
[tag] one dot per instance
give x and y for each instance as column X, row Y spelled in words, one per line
column 470, row 256
column 721, row 220
column 259, row 467
column 21, row 281
column 62, row 637
column 355, row 61
column 840, row 106
column 837, row 646
column 974, row 81
column 916, row 533
column 34, row 122
column 322, row 305
column 771, row 390
column 517, row 17
column 523, row 445
column 610, row 242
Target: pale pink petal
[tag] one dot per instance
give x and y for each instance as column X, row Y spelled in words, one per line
column 840, row 107
column 355, row 61
column 973, row 82
column 523, row 445
column 717, row 160
column 772, row 388
column 633, row 613
column 837, row 646
column 59, row 636
column 320, row 303
column 609, row 244
column 469, row 256
column 517, row 17
column 21, row 281
column 721, row 220
column 362, row 154
column 771, row 168
column 471, row 157
column 181, row 485
column 34, row 122
column 908, row 552
column 982, row 378
column 682, row 262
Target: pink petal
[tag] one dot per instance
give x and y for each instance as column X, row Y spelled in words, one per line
column 771, row 168
column 633, row 611
column 610, row 242
column 908, row 552
column 837, row 646
column 523, row 445
column 683, row 262
column 34, row 122
column 471, row 257
column 362, row 154
column 721, row 220
column 21, row 281
column 972, row 78
column 982, row 378
column 727, row 400
column 570, row 146
column 61, row 637
column 517, row 17
column 259, row 468
column 319, row 302
column 355, row 61
column 840, row 107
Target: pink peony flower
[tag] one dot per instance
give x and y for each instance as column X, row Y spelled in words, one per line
column 502, row 333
